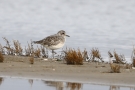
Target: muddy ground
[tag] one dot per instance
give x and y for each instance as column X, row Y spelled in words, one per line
column 19, row 66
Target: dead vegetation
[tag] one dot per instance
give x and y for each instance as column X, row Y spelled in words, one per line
column 115, row 68
column 73, row 57
column 85, row 55
column 133, row 57
column 44, row 52
column 8, row 48
column 30, row 50
column 37, row 52
column 133, row 62
column 2, row 49
column 17, row 47
column 16, row 50
column 1, row 57
column 110, row 54
column 117, row 58
column 31, row 59
column 95, row 54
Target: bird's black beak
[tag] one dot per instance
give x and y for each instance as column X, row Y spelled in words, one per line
column 67, row 35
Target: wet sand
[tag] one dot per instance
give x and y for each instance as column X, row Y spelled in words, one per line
column 15, row 66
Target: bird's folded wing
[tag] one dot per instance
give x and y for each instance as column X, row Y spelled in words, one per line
column 52, row 40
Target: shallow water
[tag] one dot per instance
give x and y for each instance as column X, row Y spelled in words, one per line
column 34, row 84
column 105, row 24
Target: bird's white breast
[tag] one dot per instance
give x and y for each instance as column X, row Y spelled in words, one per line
column 53, row 47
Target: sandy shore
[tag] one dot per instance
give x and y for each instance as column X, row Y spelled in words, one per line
column 15, row 66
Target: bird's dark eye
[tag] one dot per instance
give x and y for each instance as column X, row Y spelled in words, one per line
column 63, row 33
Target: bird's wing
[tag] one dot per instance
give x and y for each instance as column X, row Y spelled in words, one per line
column 52, row 40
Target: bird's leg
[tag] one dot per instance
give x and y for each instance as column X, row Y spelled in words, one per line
column 53, row 53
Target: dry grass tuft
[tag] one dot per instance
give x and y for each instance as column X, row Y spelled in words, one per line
column 1, row 57
column 37, row 52
column 116, row 56
column 115, row 68
column 17, row 47
column 44, row 52
column 74, row 57
column 10, row 51
column 119, row 58
column 31, row 59
column 30, row 50
column 85, row 55
column 95, row 54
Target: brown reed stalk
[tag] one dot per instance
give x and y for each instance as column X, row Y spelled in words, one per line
column 2, row 49
column 10, row 50
column 44, row 52
column 37, row 52
column 27, row 53
column 73, row 57
column 30, row 50
column 110, row 54
column 115, row 68
column 17, row 47
column 119, row 58
column 20, row 48
column 133, row 57
column 116, row 56
column 95, row 54
column 1, row 57
column 85, row 55
column 7, row 42
column 133, row 62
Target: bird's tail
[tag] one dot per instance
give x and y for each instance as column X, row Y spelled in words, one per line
column 37, row 42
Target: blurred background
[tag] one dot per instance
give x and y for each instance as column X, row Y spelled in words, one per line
column 104, row 24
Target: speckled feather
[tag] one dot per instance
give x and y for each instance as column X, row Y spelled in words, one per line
column 51, row 40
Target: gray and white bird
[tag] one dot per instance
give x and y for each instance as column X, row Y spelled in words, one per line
column 53, row 42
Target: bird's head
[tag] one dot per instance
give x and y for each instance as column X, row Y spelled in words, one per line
column 62, row 33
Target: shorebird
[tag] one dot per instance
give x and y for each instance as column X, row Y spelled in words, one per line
column 54, row 42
